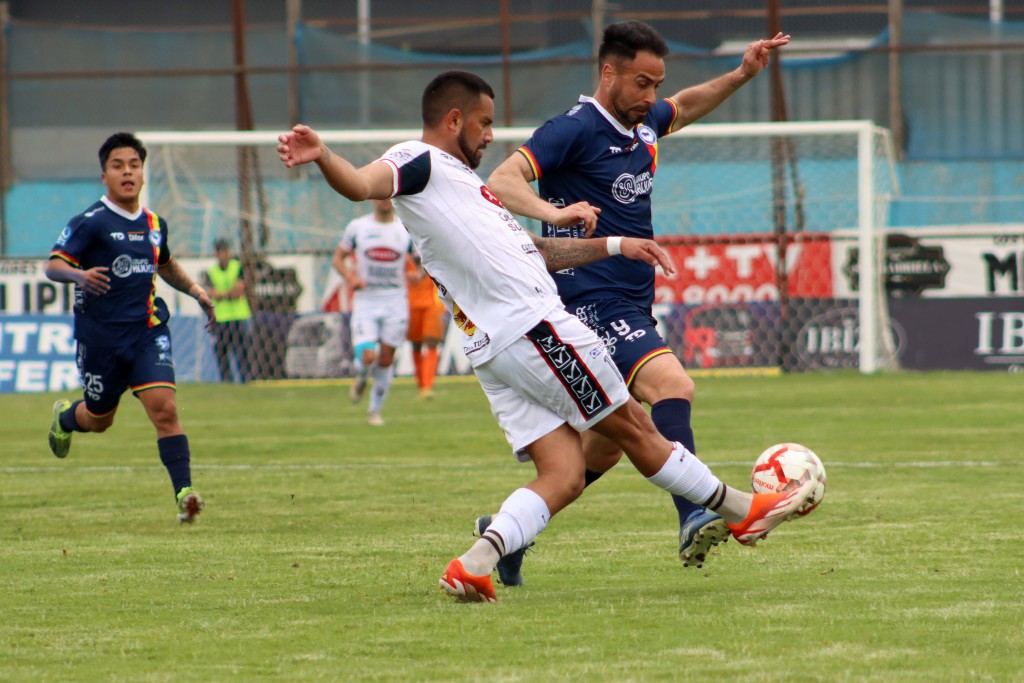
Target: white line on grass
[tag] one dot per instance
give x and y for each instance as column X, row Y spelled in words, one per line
column 919, row 464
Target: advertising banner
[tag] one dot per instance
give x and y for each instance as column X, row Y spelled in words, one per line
column 955, row 296
column 744, row 269
column 37, row 353
column 962, row 261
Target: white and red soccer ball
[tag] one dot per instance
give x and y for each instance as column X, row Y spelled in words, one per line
column 785, row 466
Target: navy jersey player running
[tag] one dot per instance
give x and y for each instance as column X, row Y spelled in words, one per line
column 604, row 151
column 113, row 252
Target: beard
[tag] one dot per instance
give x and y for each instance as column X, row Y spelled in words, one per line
column 473, row 156
column 631, row 118
column 626, row 110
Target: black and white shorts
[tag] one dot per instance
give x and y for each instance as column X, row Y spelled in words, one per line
column 558, row 372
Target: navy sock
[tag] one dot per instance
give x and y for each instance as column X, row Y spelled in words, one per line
column 672, row 418
column 67, row 419
column 590, row 476
column 174, row 454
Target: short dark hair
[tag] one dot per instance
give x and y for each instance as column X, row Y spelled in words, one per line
column 221, row 243
column 118, row 140
column 452, row 90
column 624, row 39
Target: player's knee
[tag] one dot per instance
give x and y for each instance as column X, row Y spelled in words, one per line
column 574, row 487
column 567, row 489
column 688, row 388
column 163, row 415
column 603, row 459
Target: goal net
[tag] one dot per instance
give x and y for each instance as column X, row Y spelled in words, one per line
column 766, row 223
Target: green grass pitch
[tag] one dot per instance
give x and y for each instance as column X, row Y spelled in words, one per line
column 318, row 554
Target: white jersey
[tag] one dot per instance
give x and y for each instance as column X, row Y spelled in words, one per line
column 488, row 270
column 380, row 250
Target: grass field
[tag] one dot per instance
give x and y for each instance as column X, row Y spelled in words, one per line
column 318, row 554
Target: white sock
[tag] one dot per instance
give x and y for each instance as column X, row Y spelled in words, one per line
column 735, row 505
column 381, row 386
column 521, row 518
column 685, row 475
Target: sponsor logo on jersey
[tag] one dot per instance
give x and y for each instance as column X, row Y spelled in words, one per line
column 399, row 157
column 572, row 112
column 456, row 163
column 615, row 150
column 646, row 134
column 462, row 321
column 627, row 187
column 490, row 196
column 64, row 235
column 136, row 237
column 124, row 265
column 117, row 236
column 382, row 254
column 474, row 345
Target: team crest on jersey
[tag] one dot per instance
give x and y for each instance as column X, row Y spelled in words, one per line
column 382, row 254
column 155, row 238
column 646, row 134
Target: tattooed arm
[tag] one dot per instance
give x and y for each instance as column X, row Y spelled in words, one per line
column 174, row 275
column 561, row 252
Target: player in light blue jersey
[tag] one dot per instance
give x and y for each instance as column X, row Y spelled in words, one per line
column 113, row 252
column 603, row 153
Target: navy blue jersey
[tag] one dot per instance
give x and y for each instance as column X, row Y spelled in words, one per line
column 132, row 246
column 587, row 155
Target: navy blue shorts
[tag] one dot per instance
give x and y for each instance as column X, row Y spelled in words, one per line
column 106, row 372
column 627, row 330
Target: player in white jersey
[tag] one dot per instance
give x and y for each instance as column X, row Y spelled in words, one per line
column 380, row 305
column 547, row 376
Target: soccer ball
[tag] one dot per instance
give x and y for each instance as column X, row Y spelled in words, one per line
column 785, row 466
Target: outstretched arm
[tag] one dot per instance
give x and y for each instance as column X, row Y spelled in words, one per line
column 562, row 252
column 302, row 145
column 695, row 102
column 510, row 183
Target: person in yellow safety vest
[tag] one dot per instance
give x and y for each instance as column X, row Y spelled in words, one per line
column 226, row 286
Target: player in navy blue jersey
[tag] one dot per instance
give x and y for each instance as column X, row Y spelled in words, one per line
column 594, row 166
column 113, row 253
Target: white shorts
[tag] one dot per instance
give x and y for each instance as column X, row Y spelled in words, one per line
column 374, row 322
column 557, row 373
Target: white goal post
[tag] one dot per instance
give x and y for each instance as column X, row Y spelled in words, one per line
column 753, row 211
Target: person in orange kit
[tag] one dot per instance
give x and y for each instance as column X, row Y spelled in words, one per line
column 427, row 318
